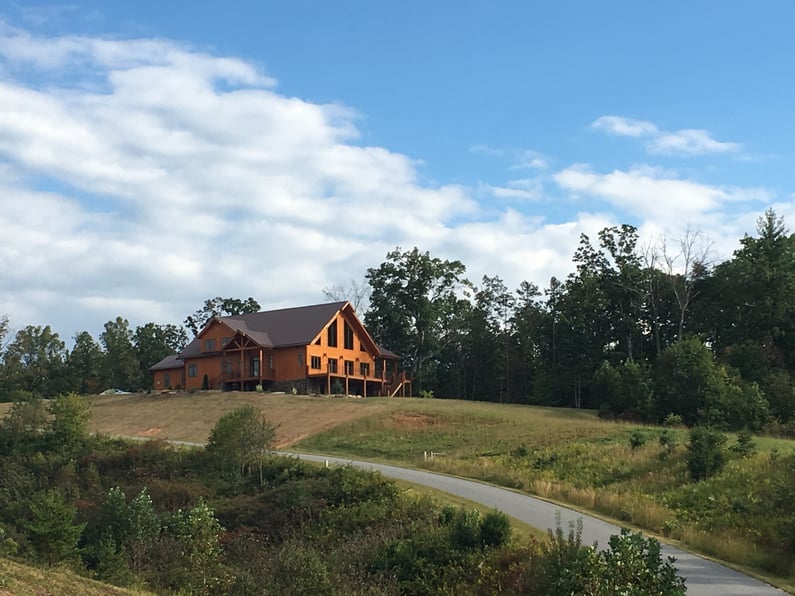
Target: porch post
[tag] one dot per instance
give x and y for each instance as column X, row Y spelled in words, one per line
column 260, row 366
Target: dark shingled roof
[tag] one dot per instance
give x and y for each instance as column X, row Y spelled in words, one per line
column 286, row 326
column 277, row 328
column 172, row 361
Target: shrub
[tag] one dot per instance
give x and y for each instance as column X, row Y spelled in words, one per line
column 634, row 567
column 637, row 439
column 745, row 446
column 705, row 453
column 495, row 529
column 239, row 439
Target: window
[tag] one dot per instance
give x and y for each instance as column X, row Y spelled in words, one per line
column 316, row 362
column 167, row 380
column 254, row 367
column 317, row 343
column 332, row 365
column 332, row 334
column 364, row 369
column 225, row 341
column 300, row 358
column 226, row 366
column 209, row 345
column 193, row 370
column 349, row 367
column 270, row 362
column 348, row 336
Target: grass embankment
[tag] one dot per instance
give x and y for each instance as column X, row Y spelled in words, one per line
column 741, row 515
column 24, row 580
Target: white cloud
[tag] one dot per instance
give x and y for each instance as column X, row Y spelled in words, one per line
column 525, row 188
column 690, row 142
column 684, row 142
column 169, row 187
column 624, row 127
column 653, row 194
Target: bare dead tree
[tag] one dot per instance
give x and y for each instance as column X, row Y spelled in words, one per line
column 355, row 292
column 684, row 268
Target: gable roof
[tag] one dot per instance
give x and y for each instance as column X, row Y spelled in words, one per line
column 286, row 326
column 172, row 361
column 278, row 328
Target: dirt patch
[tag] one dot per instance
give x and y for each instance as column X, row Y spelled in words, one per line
column 191, row 416
column 410, row 420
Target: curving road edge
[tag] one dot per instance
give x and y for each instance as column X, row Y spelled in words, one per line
column 704, row 577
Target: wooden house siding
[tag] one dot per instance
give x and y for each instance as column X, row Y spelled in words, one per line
column 239, row 352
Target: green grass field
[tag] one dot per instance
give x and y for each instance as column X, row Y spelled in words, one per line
column 573, row 457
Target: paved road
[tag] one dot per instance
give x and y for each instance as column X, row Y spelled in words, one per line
column 703, row 577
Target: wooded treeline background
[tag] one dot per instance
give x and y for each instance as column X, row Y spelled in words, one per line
column 636, row 331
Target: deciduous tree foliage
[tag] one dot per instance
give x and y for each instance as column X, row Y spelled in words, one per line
column 215, row 307
column 412, row 303
column 120, row 366
column 239, row 440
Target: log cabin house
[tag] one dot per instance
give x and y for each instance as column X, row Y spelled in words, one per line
column 322, row 348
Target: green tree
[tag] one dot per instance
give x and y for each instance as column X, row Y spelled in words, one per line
column 217, row 307
column 413, row 298
column 686, row 381
column 69, row 425
column 195, row 534
column 152, row 343
column 753, row 294
column 120, row 366
column 51, row 527
column 84, row 365
column 706, row 454
column 22, row 425
column 241, row 438
column 35, row 361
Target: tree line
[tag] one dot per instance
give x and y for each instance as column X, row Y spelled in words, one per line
column 35, row 360
column 640, row 332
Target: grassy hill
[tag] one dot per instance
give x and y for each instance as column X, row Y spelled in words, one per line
column 24, row 580
column 623, row 471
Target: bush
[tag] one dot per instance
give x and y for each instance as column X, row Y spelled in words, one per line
column 239, row 439
column 637, row 439
column 495, row 529
column 705, row 453
column 634, row 567
column 745, row 446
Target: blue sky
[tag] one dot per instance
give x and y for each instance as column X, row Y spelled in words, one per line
column 153, row 154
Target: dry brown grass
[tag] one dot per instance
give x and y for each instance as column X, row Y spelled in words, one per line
column 18, row 579
column 191, row 416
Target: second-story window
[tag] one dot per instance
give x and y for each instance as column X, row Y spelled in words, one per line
column 316, row 362
column 209, row 345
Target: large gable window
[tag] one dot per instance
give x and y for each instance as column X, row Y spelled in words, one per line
column 348, row 336
column 332, row 335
